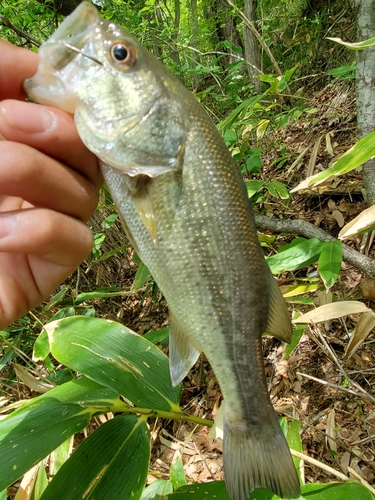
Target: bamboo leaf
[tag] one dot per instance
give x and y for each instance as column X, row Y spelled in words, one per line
column 111, row 463
column 365, row 221
column 299, row 253
column 329, row 263
column 332, row 311
column 357, row 155
column 117, row 358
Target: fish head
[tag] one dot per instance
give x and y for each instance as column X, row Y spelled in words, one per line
column 125, row 103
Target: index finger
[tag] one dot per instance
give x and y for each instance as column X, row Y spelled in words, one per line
column 16, row 64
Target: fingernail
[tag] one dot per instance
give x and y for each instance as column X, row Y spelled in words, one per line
column 6, row 225
column 26, row 117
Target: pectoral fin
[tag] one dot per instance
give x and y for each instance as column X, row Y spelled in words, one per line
column 182, row 354
column 143, row 205
column 278, row 324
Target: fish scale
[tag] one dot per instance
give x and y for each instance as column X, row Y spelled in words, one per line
column 184, row 207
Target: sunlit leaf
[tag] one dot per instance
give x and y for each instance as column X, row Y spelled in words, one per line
column 365, row 221
column 327, row 312
column 357, row 155
column 157, row 490
column 354, row 45
column 364, row 326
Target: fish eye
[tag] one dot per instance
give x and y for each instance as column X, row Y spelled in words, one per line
column 123, row 54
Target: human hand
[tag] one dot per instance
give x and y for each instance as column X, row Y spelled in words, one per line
column 48, row 190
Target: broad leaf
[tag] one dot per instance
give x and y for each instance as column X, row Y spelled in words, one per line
column 111, row 463
column 355, row 156
column 117, row 358
column 329, row 263
column 30, row 434
column 300, row 253
column 157, row 490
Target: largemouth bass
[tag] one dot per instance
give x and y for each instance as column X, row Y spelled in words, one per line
column 185, row 209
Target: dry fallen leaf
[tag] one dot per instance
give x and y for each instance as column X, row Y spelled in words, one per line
column 365, row 220
column 332, row 311
column 363, row 327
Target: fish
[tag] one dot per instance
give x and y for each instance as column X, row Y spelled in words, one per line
column 185, row 209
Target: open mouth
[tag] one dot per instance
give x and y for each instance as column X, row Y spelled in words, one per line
column 70, row 37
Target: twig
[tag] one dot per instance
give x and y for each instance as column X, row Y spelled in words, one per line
column 322, row 466
column 361, row 480
column 338, row 387
column 19, row 32
column 304, row 228
column 339, row 366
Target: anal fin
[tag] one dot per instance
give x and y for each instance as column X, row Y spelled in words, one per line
column 182, row 354
column 278, row 323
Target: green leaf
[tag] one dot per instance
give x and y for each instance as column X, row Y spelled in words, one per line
column 56, row 298
column 29, row 434
column 117, row 358
column 357, row 155
column 111, row 463
column 298, row 331
column 41, row 347
column 350, row 490
column 211, row 490
column 112, row 252
column 244, row 106
column 291, row 429
column 41, row 482
column 158, row 336
column 101, row 293
column 141, row 276
column 300, row 253
column 110, row 220
column 157, row 490
column 59, row 456
column 329, row 263
column 253, row 187
column 277, row 189
column 177, row 472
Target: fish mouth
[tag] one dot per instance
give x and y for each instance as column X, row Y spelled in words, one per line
column 66, row 43
column 70, row 37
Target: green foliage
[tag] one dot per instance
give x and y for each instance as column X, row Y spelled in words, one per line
column 115, row 365
column 104, row 362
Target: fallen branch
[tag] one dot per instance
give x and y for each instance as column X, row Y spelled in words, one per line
column 321, row 465
column 304, row 228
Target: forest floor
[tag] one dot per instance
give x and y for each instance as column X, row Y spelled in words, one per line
column 337, row 427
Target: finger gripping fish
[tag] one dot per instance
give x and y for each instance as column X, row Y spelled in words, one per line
column 185, row 208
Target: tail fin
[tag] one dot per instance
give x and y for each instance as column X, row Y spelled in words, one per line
column 258, row 457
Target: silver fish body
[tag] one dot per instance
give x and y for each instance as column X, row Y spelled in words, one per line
column 185, row 209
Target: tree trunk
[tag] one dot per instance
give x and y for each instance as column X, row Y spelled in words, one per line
column 252, row 49
column 366, row 89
